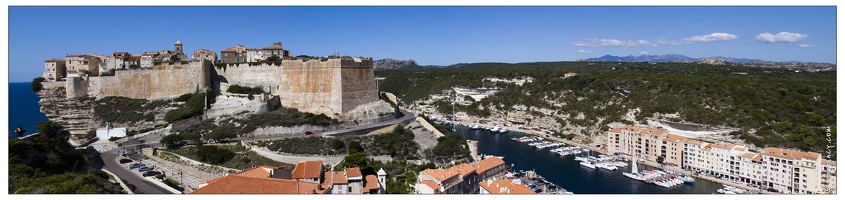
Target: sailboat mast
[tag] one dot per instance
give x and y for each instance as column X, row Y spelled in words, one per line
column 633, row 162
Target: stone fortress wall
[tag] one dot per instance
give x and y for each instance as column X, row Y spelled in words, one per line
column 331, row 86
column 159, row 82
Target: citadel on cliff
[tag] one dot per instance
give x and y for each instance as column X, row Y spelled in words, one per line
column 339, row 87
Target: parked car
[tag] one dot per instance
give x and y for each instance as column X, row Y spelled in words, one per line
column 150, row 173
column 136, row 165
column 144, row 168
column 308, row 133
column 125, row 160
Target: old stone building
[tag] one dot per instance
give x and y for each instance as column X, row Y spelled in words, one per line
column 236, row 54
column 204, row 54
column 54, row 69
column 77, row 63
column 275, row 50
column 254, row 55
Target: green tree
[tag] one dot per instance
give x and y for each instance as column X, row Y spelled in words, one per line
column 797, row 105
column 660, row 159
column 36, row 84
column 338, row 144
column 355, row 160
column 355, row 147
column 170, row 140
column 214, row 155
column 273, row 58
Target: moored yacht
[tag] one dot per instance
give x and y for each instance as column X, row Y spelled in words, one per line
column 588, row 165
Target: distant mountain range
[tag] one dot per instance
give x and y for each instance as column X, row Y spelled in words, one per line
column 667, row 58
column 393, row 64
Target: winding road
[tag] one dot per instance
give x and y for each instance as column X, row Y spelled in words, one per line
column 110, row 161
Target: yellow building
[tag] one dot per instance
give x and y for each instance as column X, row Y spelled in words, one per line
column 793, row 172
column 647, row 144
column 54, row 70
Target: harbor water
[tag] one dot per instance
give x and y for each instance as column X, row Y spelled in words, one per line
column 568, row 173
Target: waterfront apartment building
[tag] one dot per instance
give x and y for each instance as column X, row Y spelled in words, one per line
column 54, row 70
column 646, row 144
column 793, row 172
column 504, row 186
column 459, row 179
column 787, row 171
column 828, row 176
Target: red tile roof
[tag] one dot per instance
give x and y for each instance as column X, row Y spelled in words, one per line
column 430, row 184
column 674, row 138
column 749, row 155
column 334, row 178
column 372, row 182
column 691, row 141
column 505, row 187
column 631, row 128
column 353, row 172
column 234, row 184
column 616, row 130
column 464, row 169
column 308, row 169
column 790, row 154
column 724, row 146
column 441, row 175
column 487, row 164
column 257, row 172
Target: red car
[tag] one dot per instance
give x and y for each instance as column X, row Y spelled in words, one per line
column 308, row 133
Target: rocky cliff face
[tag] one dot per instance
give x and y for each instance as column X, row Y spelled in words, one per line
column 391, row 64
column 75, row 114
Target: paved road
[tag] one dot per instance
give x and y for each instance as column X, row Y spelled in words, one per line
column 110, row 159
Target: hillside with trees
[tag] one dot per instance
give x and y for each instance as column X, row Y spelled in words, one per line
column 770, row 107
column 48, row 164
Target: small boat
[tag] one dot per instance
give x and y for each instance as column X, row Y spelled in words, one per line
column 568, row 193
column 633, row 176
column 588, row 165
column 475, row 126
column 503, row 130
column 579, row 158
column 606, row 166
column 495, row 129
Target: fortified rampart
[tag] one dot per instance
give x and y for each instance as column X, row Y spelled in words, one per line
column 332, row 86
column 159, row 82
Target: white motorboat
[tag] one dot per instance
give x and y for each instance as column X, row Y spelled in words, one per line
column 475, row 126
column 579, row 158
column 503, row 130
column 606, row 166
column 620, row 164
column 588, row 165
column 495, row 129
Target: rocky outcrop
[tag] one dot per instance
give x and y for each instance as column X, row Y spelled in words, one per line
column 74, row 114
column 422, row 136
column 391, row 64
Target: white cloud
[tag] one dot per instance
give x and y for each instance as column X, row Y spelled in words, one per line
column 713, row 37
column 643, row 53
column 584, row 51
column 805, row 45
column 782, row 37
column 595, row 42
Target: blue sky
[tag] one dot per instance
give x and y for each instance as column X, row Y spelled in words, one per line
column 429, row 35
